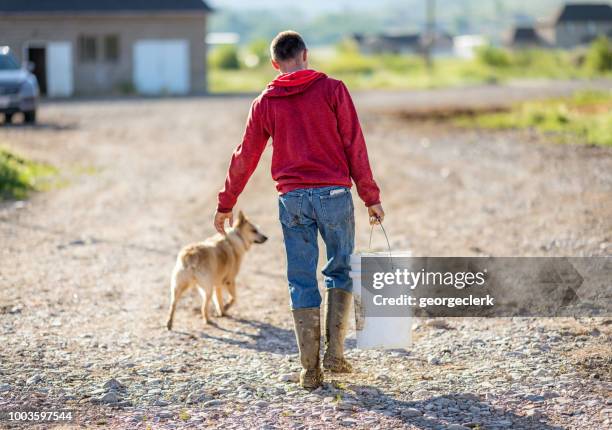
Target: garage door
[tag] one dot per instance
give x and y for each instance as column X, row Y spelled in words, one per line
column 59, row 69
column 161, row 66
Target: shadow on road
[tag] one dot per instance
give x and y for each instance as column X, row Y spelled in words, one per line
column 39, row 126
column 409, row 411
column 257, row 336
column 464, row 409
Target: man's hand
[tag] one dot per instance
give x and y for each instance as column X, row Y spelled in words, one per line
column 220, row 218
column 376, row 213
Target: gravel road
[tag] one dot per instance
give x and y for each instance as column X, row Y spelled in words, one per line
column 84, row 273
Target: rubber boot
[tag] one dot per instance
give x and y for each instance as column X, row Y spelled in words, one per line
column 308, row 334
column 337, row 307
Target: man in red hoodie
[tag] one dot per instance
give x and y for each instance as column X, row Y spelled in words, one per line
column 317, row 148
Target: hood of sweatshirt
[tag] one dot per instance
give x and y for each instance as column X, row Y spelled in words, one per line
column 288, row 84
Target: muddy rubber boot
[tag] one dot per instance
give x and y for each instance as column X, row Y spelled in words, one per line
column 337, row 307
column 308, row 335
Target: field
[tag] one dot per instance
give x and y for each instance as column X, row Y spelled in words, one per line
column 585, row 116
column 85, row 269
column 248, row 70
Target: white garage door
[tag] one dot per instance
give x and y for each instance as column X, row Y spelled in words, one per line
column 59, row 69
column 161, row 66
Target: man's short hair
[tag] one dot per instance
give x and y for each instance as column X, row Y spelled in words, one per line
column 287, row 45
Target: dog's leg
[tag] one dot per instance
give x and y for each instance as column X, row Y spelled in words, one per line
column 231, row 289
column 206, row 297
column 219, row 300
column 176, row 290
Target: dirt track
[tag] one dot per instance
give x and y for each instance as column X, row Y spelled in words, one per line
column 84, row 275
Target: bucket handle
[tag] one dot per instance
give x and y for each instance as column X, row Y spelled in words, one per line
column 386, row 237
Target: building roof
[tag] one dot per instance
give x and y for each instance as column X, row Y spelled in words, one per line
column 101, row 6
column 585, row 12
column 524, row 34
column 401, row 39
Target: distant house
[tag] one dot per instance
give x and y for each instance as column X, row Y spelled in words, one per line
column 388, row 43
column 577, row 24
column 442, row 44
column 523, row 37
column 408, row 43
column 109, row 46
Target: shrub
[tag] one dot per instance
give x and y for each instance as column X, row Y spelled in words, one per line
column 400, row 63
column 348, row 59
column 126, row 88
column 225, row 57
column 19, row 176
column 259, row 49
column 347, row 46
column 524, row 57
column 494, row 57
column 577, row 58
column 351, row 63
column 599, row 56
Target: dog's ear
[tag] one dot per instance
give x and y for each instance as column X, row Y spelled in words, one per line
column 241, row 218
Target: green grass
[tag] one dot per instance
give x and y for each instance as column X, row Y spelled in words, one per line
column 361, row 73
column 229, row 81
column 585, row 117
column 396, row 72
column 19, row 176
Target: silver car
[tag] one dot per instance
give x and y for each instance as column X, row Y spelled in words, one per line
column 18, row 88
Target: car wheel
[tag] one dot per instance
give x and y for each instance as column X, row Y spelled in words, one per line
column 30, row 117
column 8, row 118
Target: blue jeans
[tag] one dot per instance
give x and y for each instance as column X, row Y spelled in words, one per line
column 303, row 213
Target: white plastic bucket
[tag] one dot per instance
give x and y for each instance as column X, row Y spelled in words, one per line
column 378, row 332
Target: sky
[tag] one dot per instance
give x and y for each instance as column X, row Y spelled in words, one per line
column 327, row 21
column 315, row 6
column 318, row 6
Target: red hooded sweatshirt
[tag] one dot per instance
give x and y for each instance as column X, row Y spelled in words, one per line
column 316, row 139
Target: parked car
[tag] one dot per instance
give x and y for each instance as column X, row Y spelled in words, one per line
column 18, row 88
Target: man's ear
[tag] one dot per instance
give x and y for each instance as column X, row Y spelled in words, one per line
column 305, row 55
column 275, row 65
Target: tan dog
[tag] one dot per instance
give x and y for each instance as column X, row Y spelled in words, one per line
column 213, row 265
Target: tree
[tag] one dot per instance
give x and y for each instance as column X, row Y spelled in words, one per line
column 599, row 57
column 225, row 57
